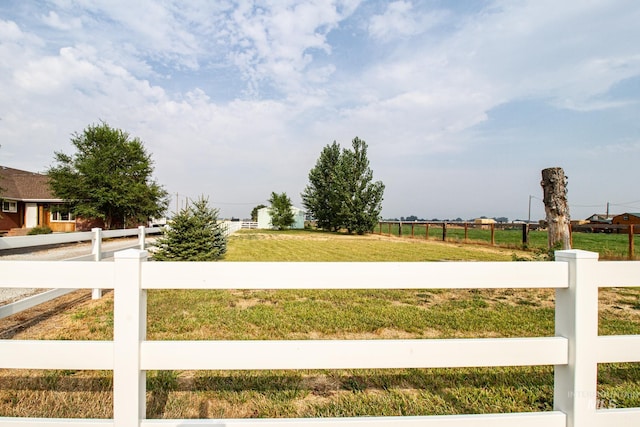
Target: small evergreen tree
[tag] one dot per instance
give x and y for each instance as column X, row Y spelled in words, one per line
column 280, row 211
column 194, row 235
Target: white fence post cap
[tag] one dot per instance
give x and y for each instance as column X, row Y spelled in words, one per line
column 131, row 254
column 576, row 254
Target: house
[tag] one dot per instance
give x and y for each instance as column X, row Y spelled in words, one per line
column 264, row 218
column 27, row 202
column 627, row 219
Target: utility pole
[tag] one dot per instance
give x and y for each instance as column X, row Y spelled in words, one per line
column 607, row 217
column 529, row 220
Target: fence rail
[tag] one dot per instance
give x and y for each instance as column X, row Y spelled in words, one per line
column 574, row 351
column 18, row 242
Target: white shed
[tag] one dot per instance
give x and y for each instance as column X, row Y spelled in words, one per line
column 264, row 218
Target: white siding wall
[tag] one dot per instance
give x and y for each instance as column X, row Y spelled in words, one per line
column 264, row 219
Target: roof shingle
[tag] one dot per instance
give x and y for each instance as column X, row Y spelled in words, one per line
column 22, row 185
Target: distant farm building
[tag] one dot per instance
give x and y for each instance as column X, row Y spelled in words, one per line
column 484, row 223
column 627, row 219
column 600, row 219
column 264, row 218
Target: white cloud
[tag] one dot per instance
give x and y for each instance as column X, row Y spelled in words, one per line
column 400, row 20
column 276, row 44
column 54, row 21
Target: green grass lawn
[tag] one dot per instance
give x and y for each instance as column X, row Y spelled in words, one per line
column 329, row 314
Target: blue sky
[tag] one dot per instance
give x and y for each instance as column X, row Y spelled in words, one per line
column 462, row 103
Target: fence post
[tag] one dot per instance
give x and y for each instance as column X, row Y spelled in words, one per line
column 141, row 237
column 576, row 318
column 426, row 231
column 96, row 251
column 631, row 241
column 493, row 234
column 444, row 231
column 129, row 330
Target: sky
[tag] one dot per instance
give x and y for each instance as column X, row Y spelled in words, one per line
column 461, row 103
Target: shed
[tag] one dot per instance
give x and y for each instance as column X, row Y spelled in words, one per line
column 264, row 218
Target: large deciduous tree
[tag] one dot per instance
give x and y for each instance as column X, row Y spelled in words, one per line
column 280, row 211
column 341, row 192
column 109, row 177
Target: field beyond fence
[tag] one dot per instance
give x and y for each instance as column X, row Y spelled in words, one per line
column 611, row 242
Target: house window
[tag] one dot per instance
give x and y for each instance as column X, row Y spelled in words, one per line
column 625, row 217
column 61, row 213
column 9, row 206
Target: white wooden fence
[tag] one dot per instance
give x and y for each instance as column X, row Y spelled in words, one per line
column 17, row 242
column 96, row 235
column 575, row 350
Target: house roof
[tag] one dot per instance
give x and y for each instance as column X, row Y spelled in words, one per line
column 16, row 184
column 600, row 217
column 631, row 213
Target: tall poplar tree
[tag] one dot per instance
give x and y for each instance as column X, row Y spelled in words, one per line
column 341, row 192
column 362, row 197
column 322, row 196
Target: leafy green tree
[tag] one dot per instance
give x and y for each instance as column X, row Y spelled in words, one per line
column 254, row 212
column 322, row 196
column 341, row 192
column 109, row 177
column 194, row 234
column 280, row 211
column 362, row 197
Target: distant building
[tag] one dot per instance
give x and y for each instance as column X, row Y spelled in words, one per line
column 627, row 219
column 264, row 218
column 599, row 219
column 484, row 222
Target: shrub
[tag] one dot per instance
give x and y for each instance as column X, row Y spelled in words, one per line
column 39, row 230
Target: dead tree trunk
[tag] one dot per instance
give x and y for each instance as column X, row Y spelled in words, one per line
column 554, row 186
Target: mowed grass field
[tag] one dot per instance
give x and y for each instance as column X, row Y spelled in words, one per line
column 342, row 314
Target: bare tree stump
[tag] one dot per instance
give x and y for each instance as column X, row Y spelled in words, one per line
column 554, row 186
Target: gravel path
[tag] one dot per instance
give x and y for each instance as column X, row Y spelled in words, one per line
column 58, row 253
